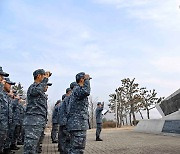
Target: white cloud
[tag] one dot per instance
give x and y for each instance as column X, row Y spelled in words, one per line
column 92, row 56
column 167, row 64
column 65, row 46
column 164, row 13
column 85, row 35
column 161, row 82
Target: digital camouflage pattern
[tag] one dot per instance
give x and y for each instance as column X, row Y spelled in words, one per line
column 77, row 122
column 3, row 118
column 55, row 117
column 99, row 114
column 63, row 111
column 54, row 132
column 78, row 108
column 99, row 120
column 32, row 136
column 77, row 142
column 37, row 99
column 18, row 115
column 63, row 133
column 10, row 122
column 55, row 126
column 35, row 116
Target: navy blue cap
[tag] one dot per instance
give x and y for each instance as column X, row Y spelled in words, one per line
column 63, row 96
column 3, row 73
column 67, row 90
column 98, row 103
column 39, row 71
column 73, row 84
column 79, row 76
column 9, row 82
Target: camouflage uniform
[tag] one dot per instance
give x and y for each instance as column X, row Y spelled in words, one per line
column 77, row 123
column 3, row 117
column 63, row 133
column 60, row 130
column 21, row 135
column 10, row 123
column 4, row 114
column 35, row 116
column 17, row 122
column 54, row 124
column 43, row 134
column 99, row 120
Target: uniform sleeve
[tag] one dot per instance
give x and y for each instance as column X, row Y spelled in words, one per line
column 1, row 96
column 100, row 108
column 62, row 113
column 39, row 88
column 82, row 92
column 53, row 114
column 1, row 87
column 14, row 104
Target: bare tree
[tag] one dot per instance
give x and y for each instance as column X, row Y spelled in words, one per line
column 131, row 90
column 149, row 100
column 92, row 108
column 19, row 89
column 118, row 100
column 129, row 99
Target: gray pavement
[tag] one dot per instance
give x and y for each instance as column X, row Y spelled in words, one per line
column 122, row 141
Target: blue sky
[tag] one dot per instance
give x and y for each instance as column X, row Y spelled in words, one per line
column 109, row 39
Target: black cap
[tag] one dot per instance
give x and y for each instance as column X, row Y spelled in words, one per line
column 79, row 76
column 73, row 84
column 63, row 96
column 9, row 82
column 49, row 84
column 3, row 73
column 39, row 71
column 67, row 90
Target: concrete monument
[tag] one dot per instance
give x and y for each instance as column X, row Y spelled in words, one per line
column 169, row 124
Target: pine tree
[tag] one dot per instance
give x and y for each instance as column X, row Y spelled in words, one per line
column 18, row 88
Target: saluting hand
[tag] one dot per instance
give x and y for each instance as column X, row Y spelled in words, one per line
column 86, row 76
column 48, row 74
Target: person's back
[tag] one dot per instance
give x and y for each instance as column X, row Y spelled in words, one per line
column 99, row 114
column 55, row 120
column 63, row 111
column 64, row 135
column 55, row 117
column 16, row 108
column 99, row 110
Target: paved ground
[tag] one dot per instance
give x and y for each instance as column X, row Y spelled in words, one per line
column 123, row 141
